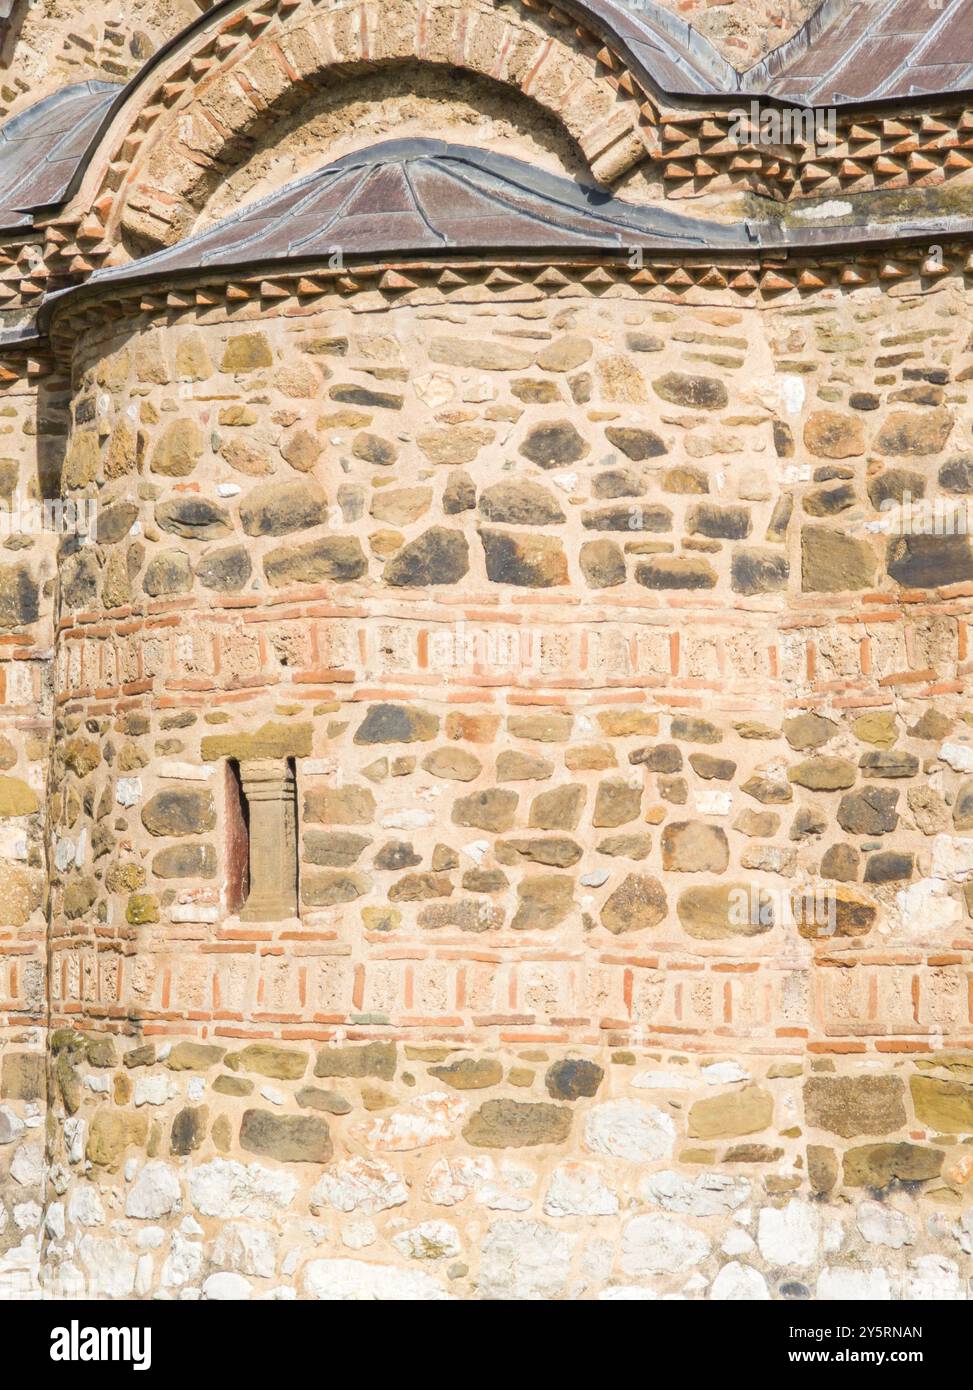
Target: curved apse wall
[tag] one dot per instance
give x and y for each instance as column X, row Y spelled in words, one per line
column 496, row 643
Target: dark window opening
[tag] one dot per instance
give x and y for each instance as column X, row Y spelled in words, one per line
column 261, row 839
column 237, row 840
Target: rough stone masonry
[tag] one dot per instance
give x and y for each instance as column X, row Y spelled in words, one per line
column 489, row 815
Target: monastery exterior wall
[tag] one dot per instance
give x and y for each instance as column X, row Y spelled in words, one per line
column 32, row 431
column 549, row 625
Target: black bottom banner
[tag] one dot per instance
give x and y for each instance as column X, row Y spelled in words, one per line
column 165, row 1338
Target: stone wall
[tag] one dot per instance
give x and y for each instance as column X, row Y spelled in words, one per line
column 56, row 42
column 576, row 609
column 32, row 433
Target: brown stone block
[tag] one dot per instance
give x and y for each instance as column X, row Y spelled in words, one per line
column 287, row 1138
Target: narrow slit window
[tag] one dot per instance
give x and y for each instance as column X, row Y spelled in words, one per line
column 237, row 840
column 262, row 839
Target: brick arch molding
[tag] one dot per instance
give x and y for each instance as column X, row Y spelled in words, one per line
column 200, row 109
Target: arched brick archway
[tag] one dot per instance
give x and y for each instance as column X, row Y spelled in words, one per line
column 203, row 108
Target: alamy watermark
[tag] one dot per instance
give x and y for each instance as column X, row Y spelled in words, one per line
column 812, row 910
column 78, row 1343
column 939, row 516
column 783, row 125
column 25, row 516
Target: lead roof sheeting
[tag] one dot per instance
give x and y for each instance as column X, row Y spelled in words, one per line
column 420, row 196
column 878, row 50
column 847, row 51
column 41, row 148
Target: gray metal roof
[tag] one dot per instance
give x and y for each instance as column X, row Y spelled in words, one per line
column 427, row 199
column 423, row 197
column 871, row 50
column 849, row 52
column 669, row 54
column 41, row 149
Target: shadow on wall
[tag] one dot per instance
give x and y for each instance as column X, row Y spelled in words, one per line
column 12, row 14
